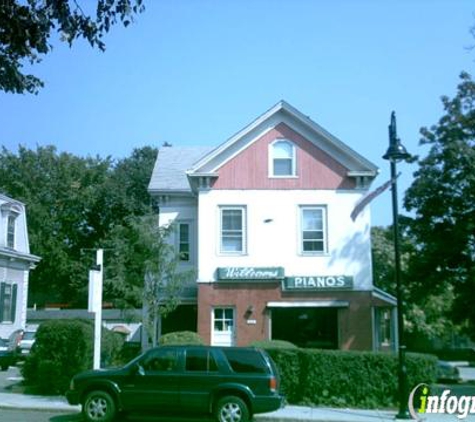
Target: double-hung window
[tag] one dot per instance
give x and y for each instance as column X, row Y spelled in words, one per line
column 184, row 242
column 313, row 229
column 282, row 159
column 233, row 230
column 11, row 226
column 8, row 295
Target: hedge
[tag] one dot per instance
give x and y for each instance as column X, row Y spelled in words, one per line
column 178, row 338
column 347, row 379
column 273, row 344
column 62, row 349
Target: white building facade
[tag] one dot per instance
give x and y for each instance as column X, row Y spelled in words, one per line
column 15, row 265
column 264, row 219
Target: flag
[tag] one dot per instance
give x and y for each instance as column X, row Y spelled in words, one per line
column 368, row 198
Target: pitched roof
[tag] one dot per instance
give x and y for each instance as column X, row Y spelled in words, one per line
column 169, row 172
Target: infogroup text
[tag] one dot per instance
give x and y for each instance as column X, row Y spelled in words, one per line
column 421, row 402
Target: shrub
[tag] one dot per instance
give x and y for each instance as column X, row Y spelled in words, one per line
column 273, row 344
column 181, row 338
column 62, row 349
column 343, row 378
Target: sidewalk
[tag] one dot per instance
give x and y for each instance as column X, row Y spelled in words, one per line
column 287, row 414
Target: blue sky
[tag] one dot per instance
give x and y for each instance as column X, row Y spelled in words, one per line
column 194, row 72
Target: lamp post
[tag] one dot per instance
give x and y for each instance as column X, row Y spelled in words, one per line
column 396, row 152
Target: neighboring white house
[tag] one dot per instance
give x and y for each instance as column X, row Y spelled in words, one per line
column 264, row 219
column 15, row 265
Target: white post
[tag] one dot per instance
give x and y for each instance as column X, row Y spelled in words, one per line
column 98, row 309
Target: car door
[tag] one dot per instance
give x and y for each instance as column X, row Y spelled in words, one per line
column 153, row 384
column 199, row 378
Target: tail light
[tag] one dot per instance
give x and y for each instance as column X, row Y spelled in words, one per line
column 273, row 384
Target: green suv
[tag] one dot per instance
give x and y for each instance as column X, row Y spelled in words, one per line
column 232, row 383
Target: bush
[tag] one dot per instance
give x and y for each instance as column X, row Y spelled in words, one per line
column 62, row 349
column 181, row 338
column 347, row 379
column 273, row 344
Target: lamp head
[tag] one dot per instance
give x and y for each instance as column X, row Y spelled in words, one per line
column 396, row 151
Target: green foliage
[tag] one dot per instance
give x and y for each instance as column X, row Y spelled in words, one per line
column 62, row 349
column 339, row 378
column 273, row 344
column 75, row 204
column 442, row 197
column 427, row 310
column 27, row 27
column 181, row 338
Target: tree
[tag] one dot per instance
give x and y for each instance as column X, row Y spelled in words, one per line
column 426, row 311
column 75, row 204
column 144, row 269
column 26, row 28
column 442, row 196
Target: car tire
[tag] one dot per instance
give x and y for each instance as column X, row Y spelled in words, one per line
column 231, row 409
column 99, row 406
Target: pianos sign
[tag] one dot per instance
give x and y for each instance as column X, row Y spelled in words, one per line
column 314, row 283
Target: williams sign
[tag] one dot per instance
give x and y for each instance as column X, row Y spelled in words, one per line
column 325, row 282
column 250, row 273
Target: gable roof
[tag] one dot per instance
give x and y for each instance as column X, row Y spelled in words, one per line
column 283, row 112
column 169, row 172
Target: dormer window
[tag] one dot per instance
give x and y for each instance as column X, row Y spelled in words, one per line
column 10, row 213
column 282, row 159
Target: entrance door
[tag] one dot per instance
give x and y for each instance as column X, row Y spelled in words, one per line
column 223, row 327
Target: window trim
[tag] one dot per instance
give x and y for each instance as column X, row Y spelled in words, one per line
column 11, row 231
column 271, row 159
column 243, row 210
column 323, row 209
column 179, row 242
column 12, row 296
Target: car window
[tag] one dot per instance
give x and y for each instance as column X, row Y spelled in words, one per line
column 246, row 361
column 160, row 360
column 200, row 360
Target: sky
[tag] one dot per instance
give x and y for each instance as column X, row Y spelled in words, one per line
column 195, row 72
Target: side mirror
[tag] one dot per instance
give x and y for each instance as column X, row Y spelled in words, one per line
column 137, row 369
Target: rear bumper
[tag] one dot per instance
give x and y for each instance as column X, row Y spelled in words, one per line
column 267, row 404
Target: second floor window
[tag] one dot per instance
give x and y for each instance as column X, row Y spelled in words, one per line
column 313, row 230
column 184, row 241
column 11, row 225
column 282, row 159
column 233, row 236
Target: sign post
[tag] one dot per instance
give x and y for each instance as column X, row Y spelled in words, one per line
column 95, row 304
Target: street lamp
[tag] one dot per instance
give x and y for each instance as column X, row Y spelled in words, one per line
column 396, row 152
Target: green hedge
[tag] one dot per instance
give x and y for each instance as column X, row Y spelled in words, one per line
column 273, row 344
column 62, row 349
column 181, row 338
column 347, row 379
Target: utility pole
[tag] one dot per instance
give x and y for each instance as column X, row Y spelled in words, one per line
column 95, row 304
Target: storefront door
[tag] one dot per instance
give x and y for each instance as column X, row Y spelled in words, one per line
column 223, row 328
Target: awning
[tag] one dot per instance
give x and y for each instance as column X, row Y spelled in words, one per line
column 310, row 304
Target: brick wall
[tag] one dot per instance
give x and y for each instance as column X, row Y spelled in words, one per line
column 354, row 321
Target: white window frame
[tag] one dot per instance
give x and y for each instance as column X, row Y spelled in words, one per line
column 8, row 298
column 243, row 210
column 293, row 158
column 179, row 241
column 323, row 210
column 11, row 230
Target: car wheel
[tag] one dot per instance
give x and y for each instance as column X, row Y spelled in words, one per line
column 231, row 409
column 99, row 406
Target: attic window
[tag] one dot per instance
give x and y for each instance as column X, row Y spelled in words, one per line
column 282, row 158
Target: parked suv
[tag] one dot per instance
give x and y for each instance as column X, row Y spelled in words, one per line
column 230, row 383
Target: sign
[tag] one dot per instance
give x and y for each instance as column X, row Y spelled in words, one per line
column 250, row 273
column 315, row 283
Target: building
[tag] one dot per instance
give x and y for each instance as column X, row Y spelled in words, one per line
column 264, row 219
column 15, row 265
